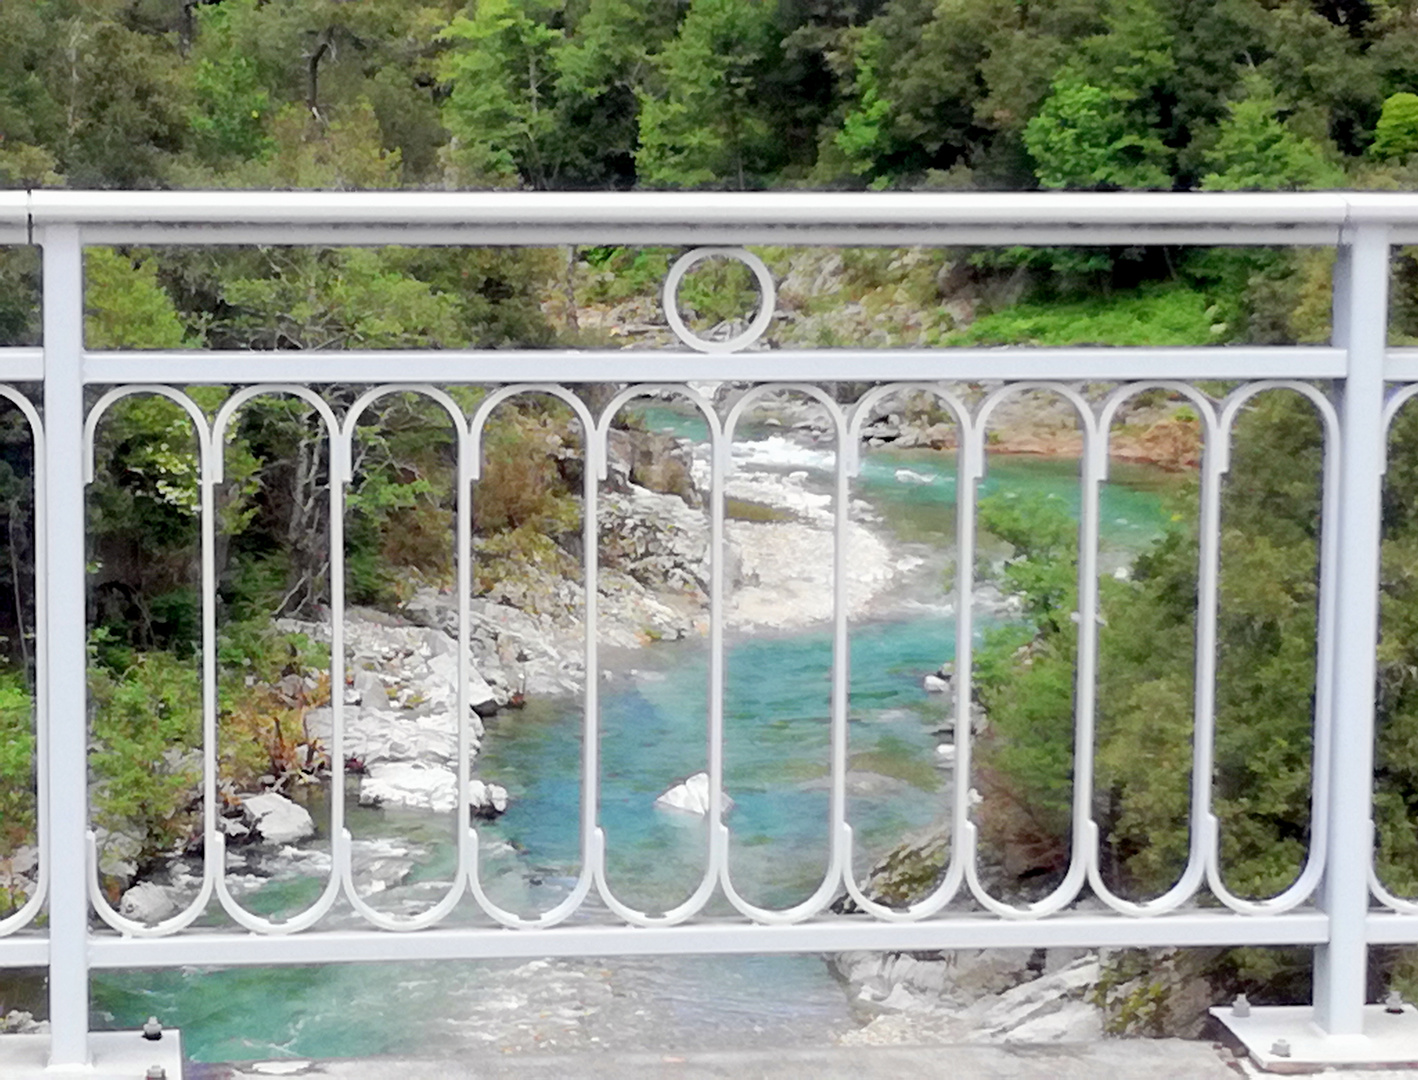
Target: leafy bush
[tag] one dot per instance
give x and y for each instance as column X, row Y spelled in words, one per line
column 144, row 764
column 17, row 764
column 1152, row 315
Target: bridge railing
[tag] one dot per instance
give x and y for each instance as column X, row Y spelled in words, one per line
column 1356, row 383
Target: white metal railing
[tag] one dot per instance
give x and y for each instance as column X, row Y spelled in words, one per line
column 1337, row 903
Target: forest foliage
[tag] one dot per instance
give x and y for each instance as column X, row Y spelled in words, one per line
column 991, row 94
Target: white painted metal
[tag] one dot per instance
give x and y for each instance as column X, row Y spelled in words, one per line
column 1338, row 873
column 653, row 365
column 1303, row 887
column 767, row 300
column 1341, row 965
column 66, row 646
column 117, row 1055
column 1383, row 1039
column 1203, row 836
column 21, row 365
column 211, row 867
column 827, row 935
column 25, row 916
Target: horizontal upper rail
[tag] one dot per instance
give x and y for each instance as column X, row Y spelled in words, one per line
column 880, row 219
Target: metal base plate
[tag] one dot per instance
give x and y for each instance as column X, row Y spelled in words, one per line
column 117, row 1055
column 1388, row 1039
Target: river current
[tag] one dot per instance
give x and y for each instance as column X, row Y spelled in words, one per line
column 653, row 708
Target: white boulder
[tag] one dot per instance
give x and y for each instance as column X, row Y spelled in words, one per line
column 277, row 819
column 441, row 688
column 370, row 691
column 692, row 796
column 486, row 800
column 934, row 684
column 410, row 783
column 146, row 902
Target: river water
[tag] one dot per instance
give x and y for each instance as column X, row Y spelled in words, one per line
column 653, row 733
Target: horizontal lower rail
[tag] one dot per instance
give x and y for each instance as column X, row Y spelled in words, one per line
column 1201, row 928
column 17, row 952
column 1389, row 928
column 21, row 364
column 631, row 365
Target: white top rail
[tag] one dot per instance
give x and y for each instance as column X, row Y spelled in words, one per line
column 507, row 217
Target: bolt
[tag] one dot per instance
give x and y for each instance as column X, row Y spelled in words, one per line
column 152, row 1030
column 155, row 1072
column 1240, row 1008
column 1281, row 1048
column 1394, row 1003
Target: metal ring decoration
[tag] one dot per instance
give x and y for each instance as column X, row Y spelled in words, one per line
column 768, row 299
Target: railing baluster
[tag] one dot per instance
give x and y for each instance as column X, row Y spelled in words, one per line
column 1361, row 326
column 64, row 592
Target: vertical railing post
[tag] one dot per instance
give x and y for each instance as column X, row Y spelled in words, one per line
column 1361, row 328
column 63, row 301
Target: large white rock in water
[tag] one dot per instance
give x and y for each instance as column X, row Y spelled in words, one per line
column 278, row 819
column 691, row 796
column 410, row 783
column 486, row 800
column 146, row 902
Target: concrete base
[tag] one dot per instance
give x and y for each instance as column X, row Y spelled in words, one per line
column 117, row 1055
column 1111, row 1059
column 1389, row 1038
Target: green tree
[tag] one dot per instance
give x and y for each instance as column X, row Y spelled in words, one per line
column 709, row 127
column 1397, row 133
column 604, row 65
column 231, row 103
column 1255, row 150
column 502, row 111
column 1083, row 138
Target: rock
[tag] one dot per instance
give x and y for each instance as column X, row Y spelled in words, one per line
column 118, row 854
column 1048, row 1009
column 235, row 829
column 442, row 686
column 19, row 1022
column 486, row 801
column 277, row 819
column 146, row 902
column 1076, row 1021
column 692, row 796
column 907, row 873
column 1157, row 993
column 652, row 460
column 410, row 783
column 934, row 684
column 380, row 864
column 370, row 690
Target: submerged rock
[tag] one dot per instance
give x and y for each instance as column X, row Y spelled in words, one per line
column 277, row 819
column 692, row 796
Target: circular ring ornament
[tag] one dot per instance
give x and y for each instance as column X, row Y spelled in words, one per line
column 768, row 299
